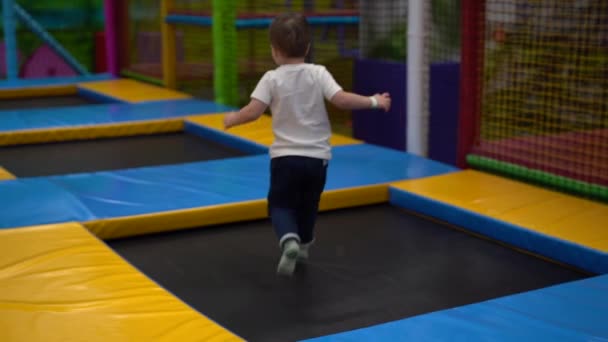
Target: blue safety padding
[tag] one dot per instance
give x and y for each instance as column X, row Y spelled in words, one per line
column 27, row 119
column 34, row 201
column 575, row 311
column 137, row 191
column 158, row 189
column 225, row 138
column 41, row 82
column 557, row 249
column 181, row 186
column 365, row 164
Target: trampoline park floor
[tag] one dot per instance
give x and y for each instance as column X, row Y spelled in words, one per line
column 110, row 154
column 370, row 265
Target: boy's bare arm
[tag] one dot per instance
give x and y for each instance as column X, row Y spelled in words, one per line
column 250, row 112
column 350, row 101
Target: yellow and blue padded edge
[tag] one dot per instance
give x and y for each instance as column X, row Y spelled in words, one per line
column 257, row 133
column 530, row 316
column 143, row 191
column 131, row 91
column 60, row 282
column 122, row 129
column 439, row 197
column 120, row 227
column 5, row 174
column 104, row 114
column 225, row 139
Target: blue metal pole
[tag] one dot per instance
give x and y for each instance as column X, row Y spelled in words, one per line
column 10, row 39
column 47, row 38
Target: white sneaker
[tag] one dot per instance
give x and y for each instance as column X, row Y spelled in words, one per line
column 287, row 264
column 303, row 254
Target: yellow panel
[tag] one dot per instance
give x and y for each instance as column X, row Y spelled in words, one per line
column 132, row 91
column 60, row 283
column 91, row 132
column 259, row 131
column 552, row 213
column 38, row 91
column 5, row 175
column 225, row 213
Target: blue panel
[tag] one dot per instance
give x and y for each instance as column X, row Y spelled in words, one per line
column 32, row 201
column 157, row 189
column 551, row 247
column 389, row 129
column 365, row 164
column 225, row 139
column 163, row 188
column 575, row 311
column 188, row 19
column 373, row 126
column 444, row 109
column 259, row 22
column 41, row 82
column 12, row 120
column 313, row 21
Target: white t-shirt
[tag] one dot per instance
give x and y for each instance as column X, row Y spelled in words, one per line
column 295, row 94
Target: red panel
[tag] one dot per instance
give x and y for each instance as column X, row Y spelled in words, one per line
column 472, row 28
column 101, row 58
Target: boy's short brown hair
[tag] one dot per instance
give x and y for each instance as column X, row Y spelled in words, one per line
column 290, row 34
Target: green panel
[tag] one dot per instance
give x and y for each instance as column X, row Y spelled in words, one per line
column 225, row 72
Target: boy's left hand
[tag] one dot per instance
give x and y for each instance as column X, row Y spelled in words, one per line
column 230, row 120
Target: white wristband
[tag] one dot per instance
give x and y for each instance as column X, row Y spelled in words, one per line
column 374, row 101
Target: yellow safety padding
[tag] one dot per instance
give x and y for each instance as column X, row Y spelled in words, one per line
column 177, row 219
column 259, row 131
column 39, row 91
column 60, row 283
column 352, row 197
column 5, row 175
column 132, row 91
column 226, row 213
column 124, row 129
column 548, row 212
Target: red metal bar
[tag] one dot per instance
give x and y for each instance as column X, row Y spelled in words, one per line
column 471, row 73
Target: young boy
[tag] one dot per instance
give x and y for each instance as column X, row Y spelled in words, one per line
column 295, row 92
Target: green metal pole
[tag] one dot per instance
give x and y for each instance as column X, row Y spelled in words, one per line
column 225, row 70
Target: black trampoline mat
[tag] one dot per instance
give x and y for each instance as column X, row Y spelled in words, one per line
column 370, row 265
column 45, row 102
column 110, row 154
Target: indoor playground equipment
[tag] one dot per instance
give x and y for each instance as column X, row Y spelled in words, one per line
column 51, row 39
column 539, row 102
column 129, row 214
column 219, row 49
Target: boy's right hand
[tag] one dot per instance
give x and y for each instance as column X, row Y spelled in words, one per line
column 384, row 101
